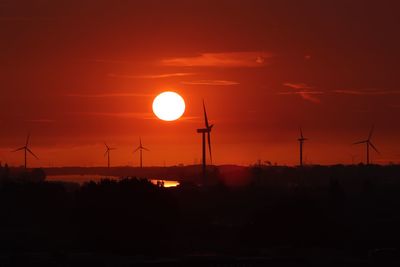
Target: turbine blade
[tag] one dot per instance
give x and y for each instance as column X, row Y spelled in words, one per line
column 136, row 149
column 105, row 153
column 209, row 145
column 145, row 148
column 140, row 141
column 301, row 133
column 18, row 149
column 372, row 145
column 359, row 142
column 106, row 146
column 27, row 139
column 205, row 115
column 32, row 153
column 371, row 132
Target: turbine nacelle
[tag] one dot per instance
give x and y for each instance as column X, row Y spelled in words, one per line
column 107, row 153
column 26, row 149
column 140, row 148
column 361, row 142
column 206, row 130
column 368, row 143
column 108, row 149
column 301, row 140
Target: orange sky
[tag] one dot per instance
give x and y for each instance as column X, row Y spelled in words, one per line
column 78, row 74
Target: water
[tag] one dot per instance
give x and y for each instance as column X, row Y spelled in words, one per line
column 76, row 178
column 167, row 183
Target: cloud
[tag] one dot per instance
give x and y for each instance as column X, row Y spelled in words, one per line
column 108, row 95
column 16, row 18
column 135, row 115
column 366, row 92
column 303, row 90
column 228, row 59
column 155, row 76
column 310, row 96
column 211, row 82
column 192, row 119
column 41, row 120
column 297, row 85
column 113, row 61
column 306, row 95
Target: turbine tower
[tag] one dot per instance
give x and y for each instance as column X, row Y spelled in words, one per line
column 26, row 149
column 204, row 131
column 108, row 149
column 368, row 143
column 301, row 142
column 141, row 148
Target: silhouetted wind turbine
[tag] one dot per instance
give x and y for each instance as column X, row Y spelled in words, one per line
column 108, row 149
column 26, row 149
column 141, row 148
column 368, row 143
column 204, row 131
column 301, row 142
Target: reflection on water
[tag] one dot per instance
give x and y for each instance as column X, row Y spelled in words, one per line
column 165, row 183
column 76, row 178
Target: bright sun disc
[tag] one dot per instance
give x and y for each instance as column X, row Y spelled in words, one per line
column 168, row 106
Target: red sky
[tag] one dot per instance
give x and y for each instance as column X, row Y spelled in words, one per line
column 78, row 73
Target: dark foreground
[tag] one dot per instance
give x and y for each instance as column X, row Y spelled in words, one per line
column 322, row 216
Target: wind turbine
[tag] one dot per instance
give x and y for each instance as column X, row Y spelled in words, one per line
column 204, row 131
column 141, row 148
column 26, row 149
column 368, row 143
column 108, row 149
column 301, row 142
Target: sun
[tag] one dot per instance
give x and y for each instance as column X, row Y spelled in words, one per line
column 168, row 106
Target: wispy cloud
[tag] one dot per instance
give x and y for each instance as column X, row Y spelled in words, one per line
column 192, row 119
column 211, row 82
column 306, row 95
column 227, row 59
column 108, row 95
column 20, row 18
column 305, row 91
column 41, row 120
column 154, row 76
column 135, row 115
column 395, row 106
column 366, row 92
column 113, row 61
column 311, row 96
column 297, row 85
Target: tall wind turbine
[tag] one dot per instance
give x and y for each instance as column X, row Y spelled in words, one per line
column 141, row 148
column 108, row 149
column 26, row 149
column 204, row 131
column 301, row 142
column 368, row 143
